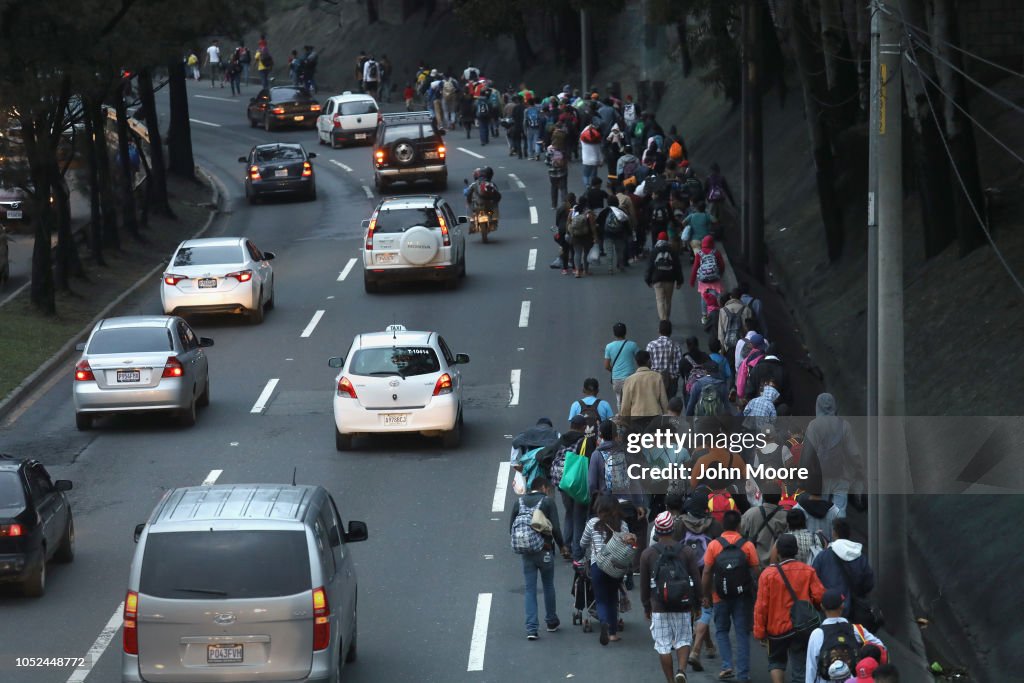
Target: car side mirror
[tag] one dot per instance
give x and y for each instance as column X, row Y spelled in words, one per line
column 461, row 358
column 62, row 485
column 356, row 532
column 242, row 160
column 205, row 342
column 311, row 155
column 138, row 531
column 463, row 219
column 80, row 346
column 336, row 362
column 335, row 537
column 269, row 256
column 365, row 224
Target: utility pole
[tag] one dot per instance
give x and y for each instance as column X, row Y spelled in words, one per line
column 584, row 51
column 752, row 144
column 871, row 409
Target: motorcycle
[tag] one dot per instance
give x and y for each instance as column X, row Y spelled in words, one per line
column 483, row 221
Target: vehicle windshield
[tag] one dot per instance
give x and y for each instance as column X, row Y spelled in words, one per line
column 279, row 153
column 290, row 95
column 358, row 107
column 209, row 256
column 402, row 361
column 225, row 565
column 405, row 130
column 131, row 340
column 400, row 220
column 12, row 496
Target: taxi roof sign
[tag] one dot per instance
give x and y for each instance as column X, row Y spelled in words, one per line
column 395, row 328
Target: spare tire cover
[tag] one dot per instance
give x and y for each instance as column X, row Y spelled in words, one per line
column 403, row 151
column 419, row 245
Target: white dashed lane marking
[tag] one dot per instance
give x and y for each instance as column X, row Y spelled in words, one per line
column 498, row 505
column 533, row 215
column 531, row 261
column 348, row 268
column 519, row 183
column 212, row 477
column 341, row 165
column 211, row 97
column 368, row 191
column 513, row 381
column 92, row 655
column 470, row 152
column 308, row 332
column 264, row 398
column 478, row 642
column 205, row 123
column 524, row 314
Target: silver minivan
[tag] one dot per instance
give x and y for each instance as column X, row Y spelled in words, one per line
column 249, row 582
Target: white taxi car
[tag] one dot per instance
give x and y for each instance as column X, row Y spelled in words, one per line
column 398, row 381
column 348, row 118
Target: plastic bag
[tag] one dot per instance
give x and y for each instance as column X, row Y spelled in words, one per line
column 574, row 477
column 519, row 483
column 594, row 256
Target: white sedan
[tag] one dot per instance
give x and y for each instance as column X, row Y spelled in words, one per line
column 219, row 275
column 398, row 381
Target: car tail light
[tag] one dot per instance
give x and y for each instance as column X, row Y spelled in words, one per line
column 131, row 625
column 241, row 275
column 345, row 388
column 444, row 230
column 277, row 110
column 441, row 151
column 314, row 107
column 83, row 373
column 10, row 530
column 173, row 368
column 443, row 385
column 379, row 156
column 172, row 279
column 254, row 172
column 307, row 169
column 369, row 233
column 337, row 120
column 321, row 620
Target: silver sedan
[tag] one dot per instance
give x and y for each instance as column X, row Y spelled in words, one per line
column 141, row 363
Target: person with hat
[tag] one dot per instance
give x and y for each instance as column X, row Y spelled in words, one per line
column 779, row 587
column 695, row 528
column 760, row 412
column 661, row 565
column 836, row 641
column 706, row 273
column 663, row 272
column 829, row 439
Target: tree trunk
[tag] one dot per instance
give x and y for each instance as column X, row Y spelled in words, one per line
column 179, row 132
column 95, row 214
column 959, row 129
column 684, row 47
column 108, row 203
column 41, row 291
column 67, row 262
column 147, row 197
column 157, row 184
column 130, row 220
column 524, row 53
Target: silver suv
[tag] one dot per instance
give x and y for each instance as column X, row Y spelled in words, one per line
column 239, row 583
column 415, row 237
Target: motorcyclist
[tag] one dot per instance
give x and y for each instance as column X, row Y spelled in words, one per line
column 483, row 196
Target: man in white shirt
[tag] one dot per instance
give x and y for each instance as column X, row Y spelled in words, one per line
column 371, row 76
column 838, row 636
column 213, row 60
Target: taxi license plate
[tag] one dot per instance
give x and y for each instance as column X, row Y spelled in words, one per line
column 385, row 258
column 208, row 283
column 128, row 376
column 281, row 173
column 299, row 118
column 430, row 155
column 360, row 136
column 224, row 654
column 395, row 418
column 13, row 215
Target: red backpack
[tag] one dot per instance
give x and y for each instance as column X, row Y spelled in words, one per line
column 719, row 502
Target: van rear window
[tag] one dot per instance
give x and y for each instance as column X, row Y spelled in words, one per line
column 225, row 565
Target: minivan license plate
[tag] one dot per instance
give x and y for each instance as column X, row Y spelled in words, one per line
column 396, row 418
column 224, row 654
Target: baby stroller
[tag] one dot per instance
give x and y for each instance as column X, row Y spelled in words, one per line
column 583, row 606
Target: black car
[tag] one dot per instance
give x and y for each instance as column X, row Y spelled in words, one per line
column 409, row 147
column 283, row 105
column 35, row 524
column 279, row 168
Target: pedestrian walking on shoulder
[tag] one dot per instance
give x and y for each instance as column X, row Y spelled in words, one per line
column 643, row 394
column 830, row 442
column 264, row 65
column 597, row 532
column 384, row 88
column 583, row 235
column 844, row 567
column 214, row 63
column 666, row 357
column 371, row 76
column 245, row 59
column 669, row 591
column 664, row 274
column 558, row 174
column 838, row 640
column 620, row 360
column 483, row 116
column 234, row 75
column 717, row 192
column 537, row 548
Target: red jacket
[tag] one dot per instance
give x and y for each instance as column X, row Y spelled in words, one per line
column 696, row 265
column 771, row 611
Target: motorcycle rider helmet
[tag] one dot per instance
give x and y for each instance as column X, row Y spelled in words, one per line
column 488, row 173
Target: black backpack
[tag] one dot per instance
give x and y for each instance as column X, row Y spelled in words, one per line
column 591, row 415
column 731, row 572
column 673, row 583
column 613, row 224
column 839, row 644
column 659, row 214
column 663, row 261
column 483, row 110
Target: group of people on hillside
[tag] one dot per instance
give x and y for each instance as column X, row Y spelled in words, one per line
column 234, row 69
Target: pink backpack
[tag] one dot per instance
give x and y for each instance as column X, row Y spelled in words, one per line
column 751, row 361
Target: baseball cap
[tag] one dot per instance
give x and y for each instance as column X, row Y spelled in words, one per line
column 757, row 340
column 578, row 421
column 787, row 545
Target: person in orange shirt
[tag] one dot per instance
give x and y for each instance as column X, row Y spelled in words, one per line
column 731, row 567
column 780, row 585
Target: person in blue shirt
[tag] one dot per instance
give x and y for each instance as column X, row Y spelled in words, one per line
column 590, row 389
column 715, row 349
column 620, row 359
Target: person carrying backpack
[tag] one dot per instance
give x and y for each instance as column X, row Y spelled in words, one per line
column 695, row 529
column 836, row 640
column 663, row 273
column 608, row 475
column 583, row 235
column 450, row 101
column 482, row 111
column 785, row 614
column 371, row 76
column 264, row 65
column 709, row 395
column 593, row 409
column 536, row 549
column 706, row 273
column 717, row 192
column 532, row 127
column 731, row 319
column 616, row 230
column 755, row 355
column 605, row 540
column 844, row 567
column 669, row 590
column 764, row 523
column 731, row 568
column 590, row 152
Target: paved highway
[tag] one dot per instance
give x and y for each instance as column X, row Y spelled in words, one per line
column 440, row 593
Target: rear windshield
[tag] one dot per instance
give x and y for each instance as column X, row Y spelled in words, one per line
column 406, row 130
column 278, row 154
column 290, row 95
column 400, row 220
column 12, row 496
column 358, row 107
column 225, row 565
column 209, row 256
column 131, row 340
column 403, row 361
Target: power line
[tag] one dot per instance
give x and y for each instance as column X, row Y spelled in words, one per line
column 960, row 179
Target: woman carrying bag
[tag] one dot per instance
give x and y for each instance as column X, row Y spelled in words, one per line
column 611, row 548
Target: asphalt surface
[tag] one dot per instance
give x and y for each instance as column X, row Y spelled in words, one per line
column 437, row 543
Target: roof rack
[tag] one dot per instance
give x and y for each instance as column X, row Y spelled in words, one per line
column 409, row 117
